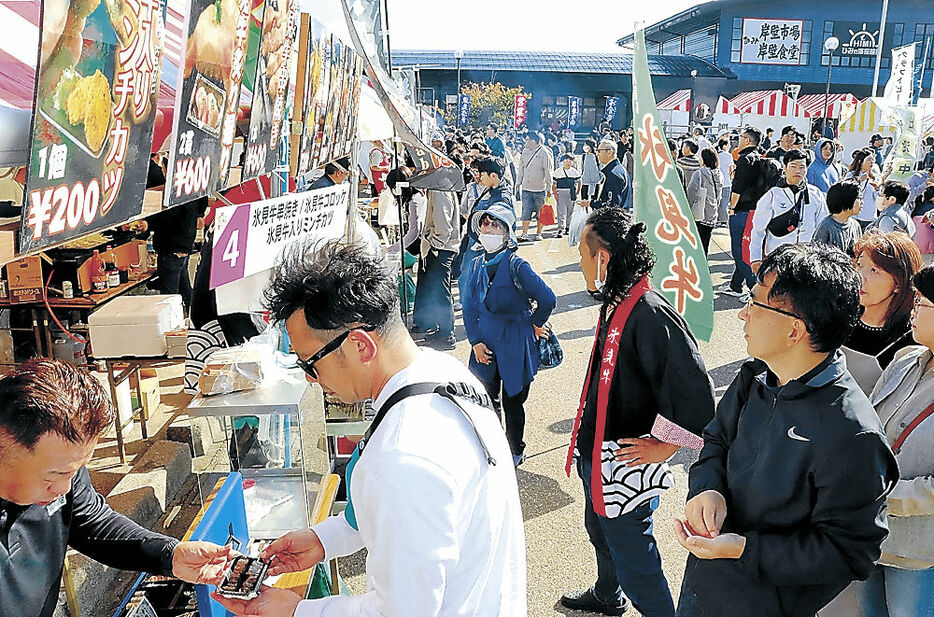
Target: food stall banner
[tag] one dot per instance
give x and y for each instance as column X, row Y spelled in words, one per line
column 463, row 110
column 612, row 106
column 904, row 154
column 520, row 110
column 270, row 87
column 681, row 273
column 442, row 174
column 95, row 105
column 574, row 111
column 207, row 99
column 249, row 238
column 901, row 81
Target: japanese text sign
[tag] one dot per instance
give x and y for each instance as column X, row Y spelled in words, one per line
column 574, row 111
column 772, row 41
column 612, row 107
column 249, row 238
column 681, row 273
column 93, row 121
column 901, row 81
column 463, row 109
column 521, row 110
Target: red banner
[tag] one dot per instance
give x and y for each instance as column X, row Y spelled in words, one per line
column 521, row 109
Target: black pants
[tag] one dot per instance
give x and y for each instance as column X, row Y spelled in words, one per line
column 514, row 409
column 173, row 276
column 434, row 306
column 705, row 232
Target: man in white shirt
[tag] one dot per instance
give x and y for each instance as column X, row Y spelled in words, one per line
column 431, row 491
column 788, row 213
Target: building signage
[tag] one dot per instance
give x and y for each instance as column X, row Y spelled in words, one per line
column 772, row 41
column 860, row 39
column 574, row 111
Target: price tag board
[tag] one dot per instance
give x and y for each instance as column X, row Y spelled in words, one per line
column 249, row 238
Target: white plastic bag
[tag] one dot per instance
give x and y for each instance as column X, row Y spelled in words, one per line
column 388, row 211
column 578, row 220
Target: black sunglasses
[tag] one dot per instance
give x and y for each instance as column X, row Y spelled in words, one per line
column 309, row 365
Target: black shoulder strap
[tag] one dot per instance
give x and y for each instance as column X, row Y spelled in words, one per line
column 450, row 391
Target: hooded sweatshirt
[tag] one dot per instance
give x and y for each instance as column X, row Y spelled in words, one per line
column 823, row 173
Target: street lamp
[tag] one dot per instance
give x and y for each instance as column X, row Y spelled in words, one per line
column 691, row 103
column 831, row 45
column 458, row 56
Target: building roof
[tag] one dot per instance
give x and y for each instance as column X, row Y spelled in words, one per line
column 687, row 21
column 551, row 62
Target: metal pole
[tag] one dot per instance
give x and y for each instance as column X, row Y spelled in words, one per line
column 823, row 130
column 875, row 77
column 457, row 118
column 388, row 46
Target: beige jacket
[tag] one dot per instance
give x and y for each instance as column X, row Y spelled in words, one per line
column 442, row 230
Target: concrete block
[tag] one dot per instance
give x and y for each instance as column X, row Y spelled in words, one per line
column 164, row 468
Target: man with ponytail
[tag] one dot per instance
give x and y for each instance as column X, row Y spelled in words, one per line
column 646, row 393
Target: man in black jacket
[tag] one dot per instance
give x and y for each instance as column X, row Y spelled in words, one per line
column 786, row 504
column 51, row 415
column 746, row 191
column 616, row 189
column 647, row 393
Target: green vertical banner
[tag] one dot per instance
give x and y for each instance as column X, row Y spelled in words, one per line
column 681, row 273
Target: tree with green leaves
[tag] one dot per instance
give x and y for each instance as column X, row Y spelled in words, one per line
column 489, row 103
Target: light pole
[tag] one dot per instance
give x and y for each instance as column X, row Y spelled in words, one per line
column 691, row 101
column 458, row 56
column 831, row 45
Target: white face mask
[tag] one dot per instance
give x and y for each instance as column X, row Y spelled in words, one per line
column 597, row 283
column 492, row 242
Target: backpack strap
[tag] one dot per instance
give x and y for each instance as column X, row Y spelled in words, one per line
column 515, row 262
column 450, row 391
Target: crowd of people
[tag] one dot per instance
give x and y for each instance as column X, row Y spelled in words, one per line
column 813, row 491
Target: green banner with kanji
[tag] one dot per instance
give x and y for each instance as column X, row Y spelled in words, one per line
column 681, row 273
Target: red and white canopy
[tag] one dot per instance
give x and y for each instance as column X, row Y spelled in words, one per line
column 679, row 101
column 767, row 103
column 724, row 106
column 813, row 104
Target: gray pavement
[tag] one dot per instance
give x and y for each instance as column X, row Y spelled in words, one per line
column 559, row 556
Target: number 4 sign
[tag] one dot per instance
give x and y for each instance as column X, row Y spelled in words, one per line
column 228, row 260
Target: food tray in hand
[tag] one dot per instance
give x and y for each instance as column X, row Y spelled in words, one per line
column 243, row 578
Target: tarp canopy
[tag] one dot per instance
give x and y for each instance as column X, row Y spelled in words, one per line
column 869, row 117
column 837, row 104
column 679, row 101
column 374, row 122
column 724, row 106
column 772, row 103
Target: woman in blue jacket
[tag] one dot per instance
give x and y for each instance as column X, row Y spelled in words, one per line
column 824, row 171
column 501, row 325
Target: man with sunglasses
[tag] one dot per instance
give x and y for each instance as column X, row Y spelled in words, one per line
column 432, row 493
column 786, row 502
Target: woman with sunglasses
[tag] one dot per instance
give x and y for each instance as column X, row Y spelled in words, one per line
column 502, row 328
column 885, row 262
column 902, row 582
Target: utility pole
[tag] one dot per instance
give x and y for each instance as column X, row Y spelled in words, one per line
column 875, row 77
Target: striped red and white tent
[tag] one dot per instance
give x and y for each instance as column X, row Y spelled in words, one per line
column 724, row 106
column 767, row 103
column 813, row 104
column 19, row 51
column 679, row 101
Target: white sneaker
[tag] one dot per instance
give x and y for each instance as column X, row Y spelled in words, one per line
column 743, row 298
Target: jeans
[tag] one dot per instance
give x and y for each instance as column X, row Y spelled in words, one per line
column 893, row 592
column 173, row 276
column 742, row 272
column 513, row 407
column 724, row 210
column 627, row 555
column 532, row 202
column 434, row 306
column 565, row 207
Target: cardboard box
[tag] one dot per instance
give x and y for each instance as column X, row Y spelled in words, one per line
column 149, row 388
column 25, row 279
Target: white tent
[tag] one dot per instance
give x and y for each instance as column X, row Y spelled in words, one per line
column 726, row 115
column 675, row 111
column 771, row 108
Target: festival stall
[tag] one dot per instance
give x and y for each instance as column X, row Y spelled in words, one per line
column 869, row 117
column 675, row 111
column 839, row 106
column 770, row 108
column 727, row 115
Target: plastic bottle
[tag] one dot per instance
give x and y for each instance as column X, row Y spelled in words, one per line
column 98, row 274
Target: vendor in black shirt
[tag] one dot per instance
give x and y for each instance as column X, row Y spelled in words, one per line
column 886, row 263
column 51, row 415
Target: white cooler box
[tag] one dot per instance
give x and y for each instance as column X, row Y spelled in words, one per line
column 135, row 326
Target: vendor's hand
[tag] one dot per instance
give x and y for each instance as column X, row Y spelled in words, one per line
column 705, row 514
column 200, row 562
column 482, row 353
column 271, row 602
column 727, row 546
column 294, row 552
column 542, row 332
column 639, row 451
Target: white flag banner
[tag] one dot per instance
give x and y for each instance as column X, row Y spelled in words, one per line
column 898, row 89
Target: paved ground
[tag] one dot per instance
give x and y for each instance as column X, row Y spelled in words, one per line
column 559, row 556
